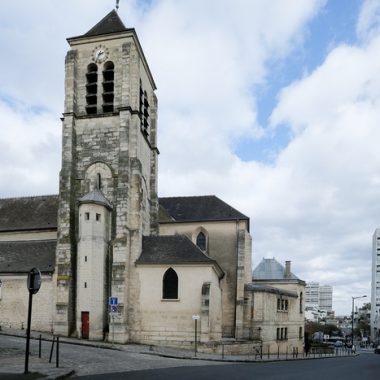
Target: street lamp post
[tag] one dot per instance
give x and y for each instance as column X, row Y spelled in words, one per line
column 352, row 319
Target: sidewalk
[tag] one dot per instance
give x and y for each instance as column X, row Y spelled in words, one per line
column 12, row 360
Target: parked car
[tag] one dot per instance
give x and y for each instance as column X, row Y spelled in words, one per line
column 377, row 349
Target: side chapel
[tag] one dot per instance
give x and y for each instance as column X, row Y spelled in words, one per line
column 107, row 234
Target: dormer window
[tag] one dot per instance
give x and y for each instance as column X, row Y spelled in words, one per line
column 91, row 89
column 108, row 87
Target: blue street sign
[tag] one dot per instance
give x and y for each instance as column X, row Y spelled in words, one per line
column 114, row 309
column 113, row 301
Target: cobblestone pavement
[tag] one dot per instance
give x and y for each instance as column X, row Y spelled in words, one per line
column 80, row 357
column 83, row 359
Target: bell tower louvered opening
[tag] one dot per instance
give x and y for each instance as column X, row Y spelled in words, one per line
column 108, row 87
column 144, row 110
column 91, row 89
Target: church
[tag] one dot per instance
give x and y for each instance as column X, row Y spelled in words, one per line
column 165, row 262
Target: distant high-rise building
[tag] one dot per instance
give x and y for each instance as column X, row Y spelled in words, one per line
column 375, row 289
column 312, row 294
column 318, row 296
column 325, row 298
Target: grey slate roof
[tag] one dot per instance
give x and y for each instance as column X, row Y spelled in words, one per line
column 177, row 249
column 28, row 213
column 36, row 213
column 198, row 208
column 21, row 256
column 96, row 197
column 271, row 269
column 109, row 24
column 270, row 289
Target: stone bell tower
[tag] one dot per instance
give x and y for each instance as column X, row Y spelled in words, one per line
column 109, row 168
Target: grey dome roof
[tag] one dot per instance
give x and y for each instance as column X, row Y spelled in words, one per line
column 97, row 197
column 271, row 269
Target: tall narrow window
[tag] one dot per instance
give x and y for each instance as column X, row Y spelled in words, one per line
column 170, row 285
column 201, row 241
column 108, row 87
column 98, row 181
column 301, row 302
column 144, row 110
column 91, row 89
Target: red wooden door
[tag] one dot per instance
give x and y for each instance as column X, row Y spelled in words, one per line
column 85, row 324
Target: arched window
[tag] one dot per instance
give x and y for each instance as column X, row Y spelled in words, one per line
column 170, row 285
column 91, row 89
column 201, row 241
column 108, row 86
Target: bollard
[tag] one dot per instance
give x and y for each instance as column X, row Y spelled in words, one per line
column 57, row 353
column 268, row 352
column 51, row 350
column 278, row 352
column 39, row 347
column 222, row 351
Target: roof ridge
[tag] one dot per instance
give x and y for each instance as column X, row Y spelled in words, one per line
column 30, row 197
column 28, row 241
column 190, row 196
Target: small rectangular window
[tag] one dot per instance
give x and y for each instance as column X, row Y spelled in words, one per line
column 286, row 333
column 87, row 216
column 85, row 284
column 98, row 217
column 85, row 259
column 278, row 333
column 300, row 333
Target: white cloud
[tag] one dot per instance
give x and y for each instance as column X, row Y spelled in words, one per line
column 315, row 205
column 368, row 23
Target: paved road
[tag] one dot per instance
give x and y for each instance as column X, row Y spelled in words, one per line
column 363, row 367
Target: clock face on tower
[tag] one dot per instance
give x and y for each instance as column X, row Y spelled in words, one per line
column 100, row 54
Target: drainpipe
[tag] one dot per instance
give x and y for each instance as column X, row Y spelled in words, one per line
column 236, row 273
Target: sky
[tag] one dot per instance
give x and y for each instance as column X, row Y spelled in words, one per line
column 272, row 105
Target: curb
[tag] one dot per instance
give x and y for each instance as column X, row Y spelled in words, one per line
column 65, row 376
column 172, row 356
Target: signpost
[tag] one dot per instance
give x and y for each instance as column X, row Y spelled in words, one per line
column 113, row 302
column 33, row 284
column 195, row 319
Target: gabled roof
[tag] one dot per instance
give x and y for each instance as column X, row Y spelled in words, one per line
column 271, row 269
column 170, row 250
column 21, row 256
column 28, row 213
column 97, row 197
column 109, row 24
column 196, row 209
